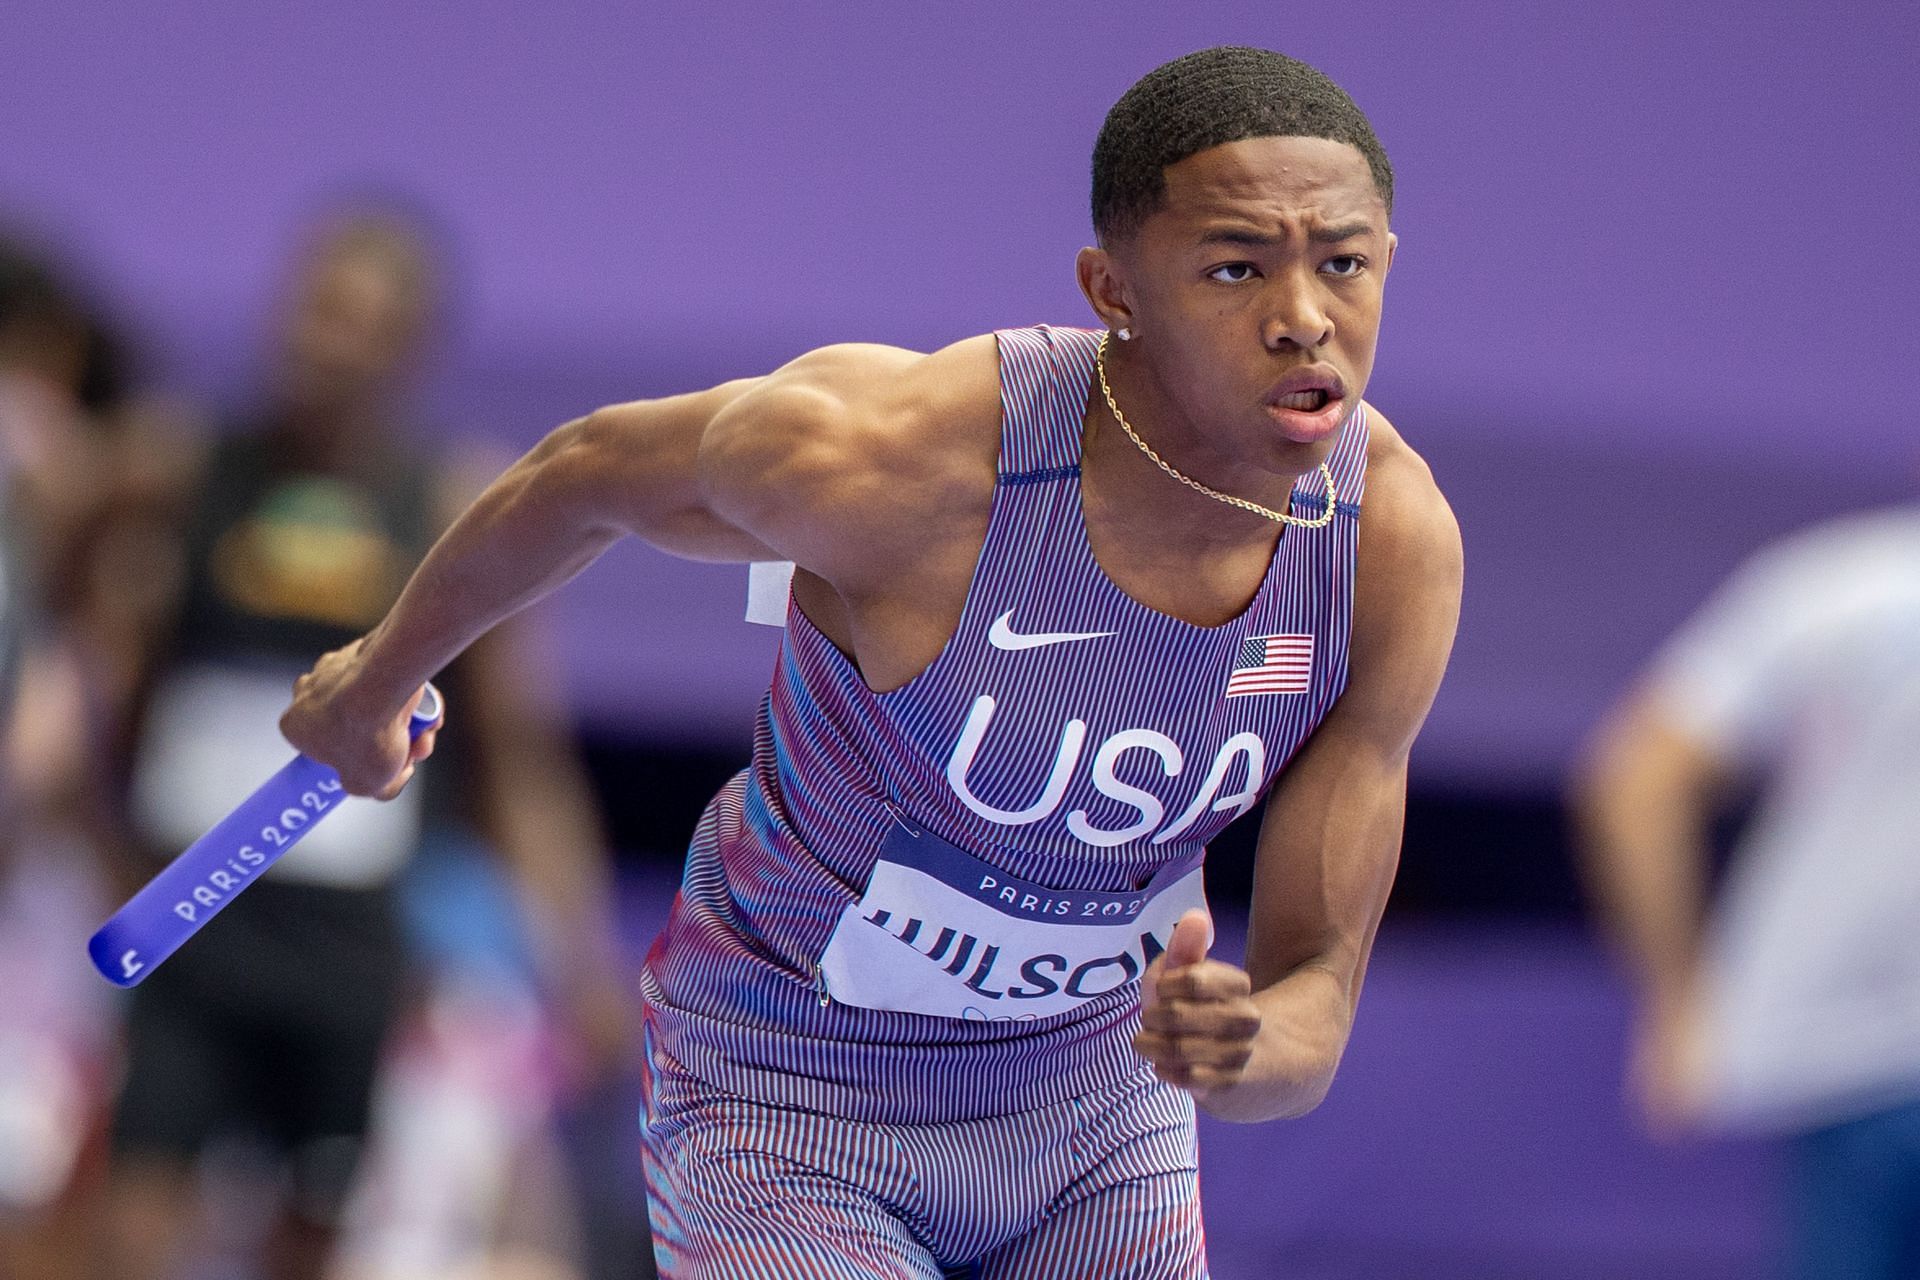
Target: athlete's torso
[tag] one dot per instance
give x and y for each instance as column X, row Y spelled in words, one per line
column 935, row 901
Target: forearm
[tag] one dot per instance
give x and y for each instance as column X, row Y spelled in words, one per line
column 529, row 532
column 1305, row 1019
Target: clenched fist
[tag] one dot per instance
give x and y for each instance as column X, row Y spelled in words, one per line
column 1197, row 1017
column 335, row 719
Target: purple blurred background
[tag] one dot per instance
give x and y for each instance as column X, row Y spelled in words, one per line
column 1653, row 305
column 1653, row 302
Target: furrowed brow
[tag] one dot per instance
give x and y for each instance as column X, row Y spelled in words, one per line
column 1334, row 235
column 1251, row 239
column 1240, row 237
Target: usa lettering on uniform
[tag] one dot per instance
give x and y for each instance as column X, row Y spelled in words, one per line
column 1152, row 809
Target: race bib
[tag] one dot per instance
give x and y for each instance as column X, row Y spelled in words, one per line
column 940, row 932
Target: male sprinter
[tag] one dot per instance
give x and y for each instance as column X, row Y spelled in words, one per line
column 934, row 996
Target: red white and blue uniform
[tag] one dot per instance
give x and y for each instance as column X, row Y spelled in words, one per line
column 892, row 1009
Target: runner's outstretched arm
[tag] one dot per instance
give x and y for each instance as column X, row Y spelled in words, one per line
column 843, row 461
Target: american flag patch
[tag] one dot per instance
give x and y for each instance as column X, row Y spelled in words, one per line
column 1272, row 664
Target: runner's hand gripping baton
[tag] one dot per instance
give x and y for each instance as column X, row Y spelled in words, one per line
column 193, row 888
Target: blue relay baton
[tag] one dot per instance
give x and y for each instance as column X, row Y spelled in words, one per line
column 195, row 886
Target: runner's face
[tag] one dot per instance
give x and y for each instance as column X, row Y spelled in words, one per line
column 1256, row 291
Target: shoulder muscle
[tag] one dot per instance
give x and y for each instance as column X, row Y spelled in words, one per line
column 846, row 459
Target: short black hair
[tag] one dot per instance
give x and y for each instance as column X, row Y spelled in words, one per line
column 1205, row 99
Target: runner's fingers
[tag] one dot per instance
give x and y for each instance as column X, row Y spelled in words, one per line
column 1201, row 1052
column 1202, row 1080
column 1198, row 1079
column 1150, row 984
column 1208, row 980
column 1177, row 1075
column 1171, row 1073
column 396, row 786
column 1228, row 1056
column 1193, row 1051
column 379, row 770
column 1226, row 1020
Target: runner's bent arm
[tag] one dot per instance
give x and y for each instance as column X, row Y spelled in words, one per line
column 779, row 467
column 1263, row 1044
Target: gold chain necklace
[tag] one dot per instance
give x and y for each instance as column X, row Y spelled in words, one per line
column 1279, row 517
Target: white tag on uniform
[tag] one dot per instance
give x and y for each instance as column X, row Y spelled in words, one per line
column 769, row 583
column 940, row 932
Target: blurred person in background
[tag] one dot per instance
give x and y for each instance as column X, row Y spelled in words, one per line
column 66, row 419
column 1787, row 1001
column 297, row 528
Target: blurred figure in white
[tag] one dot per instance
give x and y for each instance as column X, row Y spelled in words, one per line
column 1787, row 1001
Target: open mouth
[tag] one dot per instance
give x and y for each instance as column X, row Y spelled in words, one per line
column 1311, row 401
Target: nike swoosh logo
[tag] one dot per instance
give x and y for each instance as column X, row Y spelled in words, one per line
column 1003, row 636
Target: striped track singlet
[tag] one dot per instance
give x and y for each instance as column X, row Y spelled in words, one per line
column 933, row 904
